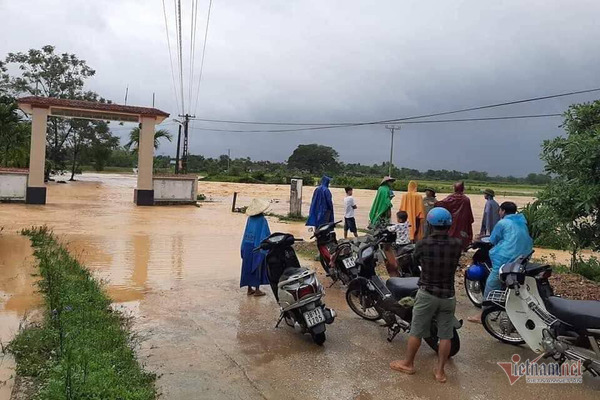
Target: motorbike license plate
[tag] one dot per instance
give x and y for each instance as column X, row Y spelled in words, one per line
column 349, row 262
column 314, row 317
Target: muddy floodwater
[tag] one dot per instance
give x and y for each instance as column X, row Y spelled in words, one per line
column 176, row 269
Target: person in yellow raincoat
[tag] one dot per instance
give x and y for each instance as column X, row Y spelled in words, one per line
column 412, row 203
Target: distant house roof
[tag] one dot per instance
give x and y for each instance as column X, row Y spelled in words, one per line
column 94, row 106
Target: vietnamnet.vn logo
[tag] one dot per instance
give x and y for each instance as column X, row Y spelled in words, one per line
column 535, row 372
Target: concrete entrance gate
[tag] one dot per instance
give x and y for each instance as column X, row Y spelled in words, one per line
column 41, row 107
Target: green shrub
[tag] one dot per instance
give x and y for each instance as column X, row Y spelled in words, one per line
column 589, row 268
column 83, row 349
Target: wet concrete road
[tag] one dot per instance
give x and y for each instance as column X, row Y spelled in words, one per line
column 177, row 269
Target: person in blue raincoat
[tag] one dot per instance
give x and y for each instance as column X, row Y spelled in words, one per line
column 254, row 272
column 321, row 206
column 511, row 239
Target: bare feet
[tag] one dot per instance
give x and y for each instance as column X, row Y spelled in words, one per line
column 250, row 291
column 476, row 319
column 402, row 366
column 259, row 293
column 439, row 376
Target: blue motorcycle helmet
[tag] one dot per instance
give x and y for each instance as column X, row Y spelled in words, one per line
column 439, row 217
column 475, row 272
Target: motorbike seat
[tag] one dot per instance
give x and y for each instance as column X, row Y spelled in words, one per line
column 403, row 287
column 290, row 272
column 582, row 314
column 409, row 248
column 532, row 269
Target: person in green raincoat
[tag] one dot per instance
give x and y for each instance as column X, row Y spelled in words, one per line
column 380, row 217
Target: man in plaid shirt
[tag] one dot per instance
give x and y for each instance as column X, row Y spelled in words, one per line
column 438, row 256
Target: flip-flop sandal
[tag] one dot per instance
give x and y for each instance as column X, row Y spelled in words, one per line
column 259, row 293
column 251, row 292
column 474, row 320
column 443, row 380
column 396, row 366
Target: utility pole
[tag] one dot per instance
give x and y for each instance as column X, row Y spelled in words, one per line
column 228, row 159
column 392, row 128
column 184, row 153
column 178, row 148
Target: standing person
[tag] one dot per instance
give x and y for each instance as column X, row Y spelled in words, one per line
column 380, row 213
column 321, row 205
column 254, row 273
column 491, row 214
column 428, row 203
column 511, row 239
column 402, row 229
column 438, row 256
column 412, row 203
column 459, row 206
column 380, row 217
column 349, row 207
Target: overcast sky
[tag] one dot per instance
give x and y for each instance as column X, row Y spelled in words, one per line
column 339, row 60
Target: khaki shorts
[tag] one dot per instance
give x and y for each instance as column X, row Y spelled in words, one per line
column 428, row 307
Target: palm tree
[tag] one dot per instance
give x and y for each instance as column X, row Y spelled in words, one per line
column 134, row 138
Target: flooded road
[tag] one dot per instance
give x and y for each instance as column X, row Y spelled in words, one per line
column 177, row 270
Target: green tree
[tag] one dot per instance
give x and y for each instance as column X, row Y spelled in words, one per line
column 314, row 158
column 14, row 135
column 134, row 138
column 574, row 193
column 46, row 73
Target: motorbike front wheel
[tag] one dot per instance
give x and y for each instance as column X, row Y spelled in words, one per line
column 360, row 302
column 474, row 291
column 319, row 338
column 496, row 323
column 434, row 342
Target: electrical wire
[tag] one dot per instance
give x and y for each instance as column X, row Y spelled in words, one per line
column 508, row 117
column 203, row 55
column 318, row 125
column 194, row 22
column 180, row 47
column 170, row 54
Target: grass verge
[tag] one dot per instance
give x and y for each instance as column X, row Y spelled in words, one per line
column 82, row 349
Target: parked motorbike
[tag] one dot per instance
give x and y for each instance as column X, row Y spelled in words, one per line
column 477, row 273
column 371, row 298
column 565, row 330
column 296, row 289
column 338, row 259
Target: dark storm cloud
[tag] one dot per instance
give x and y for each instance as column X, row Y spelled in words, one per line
column 342, row 61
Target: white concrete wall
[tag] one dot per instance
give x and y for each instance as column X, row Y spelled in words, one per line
column 13, row 186
column 166, row 189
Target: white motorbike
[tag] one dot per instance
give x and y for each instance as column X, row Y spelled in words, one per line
column 565, row 330
column 296, row 289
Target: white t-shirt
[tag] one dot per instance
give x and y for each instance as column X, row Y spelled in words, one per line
column 349, row 207
column 402, row 233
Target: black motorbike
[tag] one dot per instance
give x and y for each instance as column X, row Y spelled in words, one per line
column 337, row 258
column 296, row 289
column 371, row 298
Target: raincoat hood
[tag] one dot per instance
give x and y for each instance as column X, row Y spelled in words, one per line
column 381, row 204
column 459, row 187
column 325, row 181
column 412, row 186
column 518, row 219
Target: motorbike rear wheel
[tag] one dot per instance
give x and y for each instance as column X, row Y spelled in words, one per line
column 319, row 338
column 434, row 342
column 496, row 322
column 357, row 298
column 474, row 291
